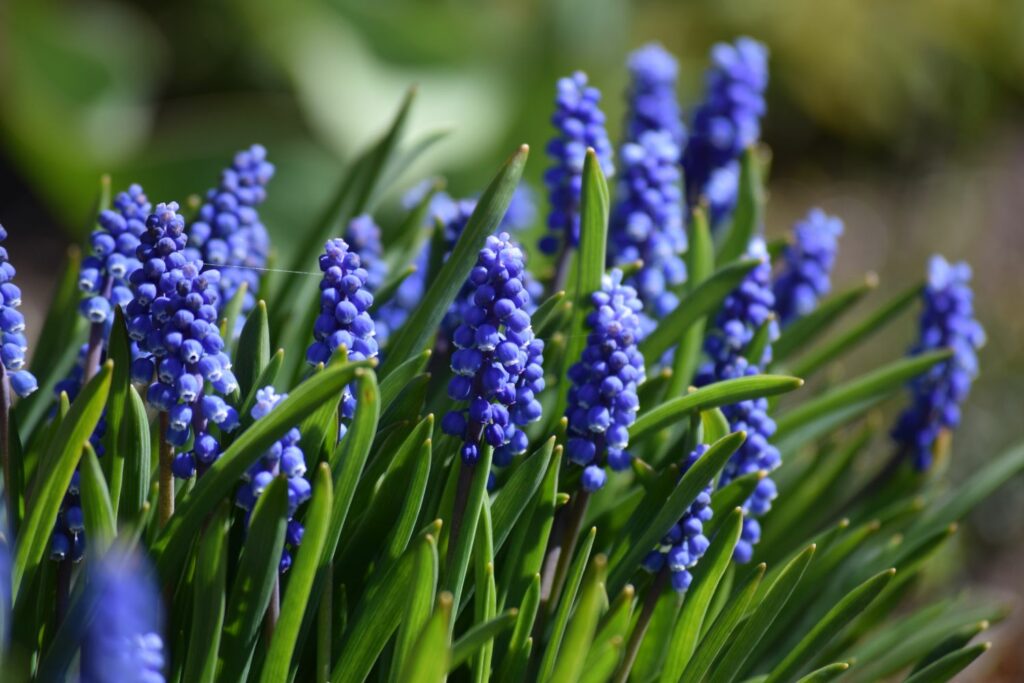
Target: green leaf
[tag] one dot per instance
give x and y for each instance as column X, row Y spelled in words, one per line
column 516, row 493
column 872, row 385
column 208, row 600
column 629, row 551
column 485, row 601
column 96, row 507
column 826, row 673
column 135, row 449
column 410, row 404
column 300, row 582
column 411, row 234
column 232, row 309
column 748, row 216
column 119, row 351
column 573, row 651
column 956, row 640
column 839, row 616
column 950, row 665
column 459, row 557
column 800, row 333
column 171, row 546
column 731, row 496
column 816, row 359
column 420, row 602
column 705, row 299
column 55, row 471
column 253, row 353
column 700, row 264
column 707, row 577
column 395, row 384
column 254, row 581
column 568, row 598
column 428, row 660
column 266, row 378
column 761, row 619
column 390, row 287
column 490, row 209
column 479, row 635
column 518, row 644
column 714, row 395
column 547, row 312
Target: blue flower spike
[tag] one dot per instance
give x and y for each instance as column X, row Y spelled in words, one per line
column 13, row 344
column 603, row 400
column 947, row 321
column 497, row 363
column 808, row 260
column 651, row 96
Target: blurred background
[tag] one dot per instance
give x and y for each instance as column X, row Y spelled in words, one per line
column 903, row 118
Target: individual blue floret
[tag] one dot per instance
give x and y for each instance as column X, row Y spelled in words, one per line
column 807, row 265
column 497, row 362
column 13, row 344
column 947, row 321
column 651, row 98
column 602, row 399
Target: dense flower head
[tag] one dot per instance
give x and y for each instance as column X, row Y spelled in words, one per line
column 497, row 362
column 947, row 321
column 647, row 222
column 726, row 123
column 283, row 458
column 227, row 233
column 122, row 641
column 173, row 318
column 652, row 94
column 363, row 237
column 685, row 543
column 807, row 268
column 68, row 538
column 13, row 344
column 602, row 399
column 744, row 311
column 580, row 124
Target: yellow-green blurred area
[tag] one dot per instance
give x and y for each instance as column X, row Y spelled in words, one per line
column 903, row 117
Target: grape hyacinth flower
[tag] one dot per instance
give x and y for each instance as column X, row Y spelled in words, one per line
column 13, row 344
column 602, row 400
column 283, row 458
column 947, row 321
column 647, row 222
column 173, row 318
column 497, row 362
column 725, row 124
column 580, row 124
column 652, row 95
column 122, row 640
column 685, row 543
column 344, row 318
column 363, row 237
column 807, row 269
column 744, row 312
column 227, row 233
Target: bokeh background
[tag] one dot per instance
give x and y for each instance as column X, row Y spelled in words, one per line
column 903, row 118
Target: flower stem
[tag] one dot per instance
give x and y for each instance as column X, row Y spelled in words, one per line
column 637, row 637
column 560, row 555
column 459, row 508
column 273, row 611
column 94, row 351
column 5, row 448
column 166, row 503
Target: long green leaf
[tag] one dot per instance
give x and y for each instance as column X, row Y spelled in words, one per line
column 455, row 574
column 826, row 673
column 395, row 383
column 428, row 660
column 525, row 618
column 748, row 216
column 568, row 598
column 208, row 601
column 573, row 652
column 253, row 353
column 804, row 330
column 119, row 351
column 514, row 496
column 419, row 604
column 480, row 634
column 135, row 448
column 950, row 665
column 96, row 507
column 700, row 264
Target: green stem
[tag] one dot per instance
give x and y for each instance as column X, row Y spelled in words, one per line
column 640, row 630
column 569, row 538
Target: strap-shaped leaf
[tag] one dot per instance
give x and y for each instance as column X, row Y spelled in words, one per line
column 514, row 496
column 485, row 601
column 749, row 214
column 480, row 634
column 96, row 507
column 208, row 600
column 574, row 648
column 826, row 673
column 267, row 377
column 568, row 598
column 420, row 602
column 802, row 332
column 135, row 446
column 428, row 660
column 950, row 665
column 253, row 353
column 119, row 351
column 460, row 555
column 700, row 264
column 394, row 384
column 232, row 310
column 518, row 644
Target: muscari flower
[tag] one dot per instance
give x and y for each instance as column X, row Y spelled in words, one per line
column 173, row 318
column 283, row 458
column 947, row 321
column 743, row 313
column 227, row 233
column 685, row 543
column 580, row 124
column 726, row 123
column 602, row 400
column 807, row 265
column 13, row 344
column 647, row 222
column 344, row 318
column 497, row 362
column 122, row 641
column 652, row 94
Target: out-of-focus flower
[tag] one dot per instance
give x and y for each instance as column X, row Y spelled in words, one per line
column 807, row 265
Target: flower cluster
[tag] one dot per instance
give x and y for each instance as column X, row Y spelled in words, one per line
column 363, row 237
column 726, row 123
column 647, row 222
column 947, row 321
column 13, row 344
column 173, row 318
column 344, row 318
column 227, row 233
column 652, row 94
column 68, row 537
column 580, row 124
column 685, row 543
column 284, row 457
column 744, row 312
column 807, row 270
column 497, row 362
column 602, row 400
column 122, row 640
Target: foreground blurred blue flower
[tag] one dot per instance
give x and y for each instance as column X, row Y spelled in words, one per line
column 602, row 400
column 580, row 124
column 651, row 98
column 13, row 344
column 122, row 642
column 947, row 321
column 727, row 122
column 807, row 265
column 497, row 362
